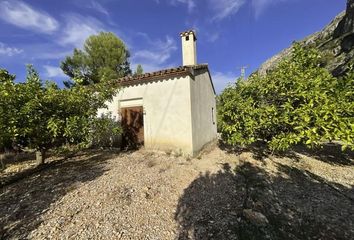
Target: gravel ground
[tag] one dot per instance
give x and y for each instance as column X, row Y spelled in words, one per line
column 152, row 195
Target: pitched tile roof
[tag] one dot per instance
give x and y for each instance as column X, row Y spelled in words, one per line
column 162, row 74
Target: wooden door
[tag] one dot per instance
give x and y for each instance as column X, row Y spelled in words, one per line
column 133, row 127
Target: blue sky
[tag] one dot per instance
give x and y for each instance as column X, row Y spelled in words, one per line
column 231, row 33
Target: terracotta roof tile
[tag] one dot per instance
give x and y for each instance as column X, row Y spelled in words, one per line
column 162, row 74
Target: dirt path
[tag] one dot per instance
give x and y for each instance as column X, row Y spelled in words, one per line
column 147, row 195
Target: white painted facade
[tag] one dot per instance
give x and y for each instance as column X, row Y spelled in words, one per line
column 203, row 108
column 179, row 111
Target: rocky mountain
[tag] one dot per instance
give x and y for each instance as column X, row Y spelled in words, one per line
column 335, row 41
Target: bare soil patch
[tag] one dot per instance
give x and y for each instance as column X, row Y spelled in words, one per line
column 152, row 195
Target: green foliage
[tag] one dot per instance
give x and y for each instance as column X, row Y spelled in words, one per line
column 42, row 116
column 105, row 131
column 104, row 57
column 139, row 70
column 326, row 58
column 7, row 105
column 299, row 102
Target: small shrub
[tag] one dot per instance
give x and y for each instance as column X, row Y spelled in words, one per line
column 105, row 132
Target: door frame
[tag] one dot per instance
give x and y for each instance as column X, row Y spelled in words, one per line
column 133, row 102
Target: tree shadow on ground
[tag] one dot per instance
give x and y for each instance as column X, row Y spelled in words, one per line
column 259, row 150
column 329, row 152
column 23, row 202
column 17, row 157
column 250, row 203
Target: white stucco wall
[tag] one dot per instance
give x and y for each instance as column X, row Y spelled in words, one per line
column 179, row 113
column 167, row 112
column 203, row 110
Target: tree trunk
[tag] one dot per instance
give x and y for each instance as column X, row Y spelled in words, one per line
column 40, row 156
column 2, row 158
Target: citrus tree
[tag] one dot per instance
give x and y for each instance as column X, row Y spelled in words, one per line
column 42, row 116
column 298, row 102
column 8, row 108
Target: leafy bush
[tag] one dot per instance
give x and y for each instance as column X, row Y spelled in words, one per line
column 298, row 102
column 105, row 131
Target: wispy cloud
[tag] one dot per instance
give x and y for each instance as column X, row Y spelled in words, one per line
column 52, row 71
column 221, row 9
column 54, row 54
column 225, row 8
column 189, row 3
column 222, row 80
column 24, row 16
column 9, row 51
column 156, row 57
column 212, row 37
column 259, row 6
column 78, row 29
column 98, row 7
column 161, row 52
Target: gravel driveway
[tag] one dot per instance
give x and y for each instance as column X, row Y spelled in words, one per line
column 150, row 195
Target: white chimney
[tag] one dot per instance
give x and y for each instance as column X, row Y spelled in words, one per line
column 189, row 48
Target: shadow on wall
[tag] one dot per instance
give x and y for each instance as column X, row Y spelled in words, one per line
column 249, row 203
column 23, row 203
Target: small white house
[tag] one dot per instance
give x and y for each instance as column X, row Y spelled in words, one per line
column 172, row 109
